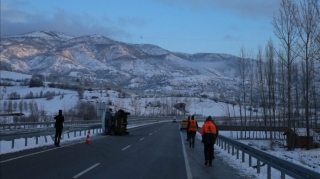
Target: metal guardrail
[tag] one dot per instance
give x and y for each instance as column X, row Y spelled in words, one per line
column 25, row 125
column 36, row 133
column 285, row 167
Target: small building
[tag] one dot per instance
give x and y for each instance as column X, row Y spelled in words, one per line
column 297, row 137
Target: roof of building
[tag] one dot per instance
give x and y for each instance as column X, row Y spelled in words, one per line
column 303, row 132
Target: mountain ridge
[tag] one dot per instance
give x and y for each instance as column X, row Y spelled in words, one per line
column 136, row 66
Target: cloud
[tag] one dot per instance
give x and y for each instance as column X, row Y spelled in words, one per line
column 130, row 21
column 14, row 21
column 244, row 8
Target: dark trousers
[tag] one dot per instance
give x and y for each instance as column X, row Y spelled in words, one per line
column 57, row 136
column 192, row 136
column 208, row 152
column 188, row 135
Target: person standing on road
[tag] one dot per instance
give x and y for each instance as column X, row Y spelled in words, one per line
column 59, row 126
column 192, row 130
column 208, row 132
column 188, row 136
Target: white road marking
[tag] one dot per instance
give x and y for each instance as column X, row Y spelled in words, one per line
column 126, row 147
column 150, row 134
column 86, row 170
column 142, row 138
column 186, row 161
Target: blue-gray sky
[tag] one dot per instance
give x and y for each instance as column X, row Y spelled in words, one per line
column 189, row 26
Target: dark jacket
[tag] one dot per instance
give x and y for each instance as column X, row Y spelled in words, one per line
column 59, row 121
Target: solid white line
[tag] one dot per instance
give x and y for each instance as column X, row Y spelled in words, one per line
column 45, row 151
column 126, row 147
column 142, row 138
column 189, row 175
column 86, row 170
column 150, row 134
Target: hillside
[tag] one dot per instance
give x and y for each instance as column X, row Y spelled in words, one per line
column 137, row 105
column 100, row 60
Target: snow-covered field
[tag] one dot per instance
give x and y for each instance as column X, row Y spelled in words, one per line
column 67, row 99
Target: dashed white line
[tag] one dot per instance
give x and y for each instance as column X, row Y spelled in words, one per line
column 86, row 170
column 142, row 138
column 150, row 134
column 44, row 151
column 126, row 147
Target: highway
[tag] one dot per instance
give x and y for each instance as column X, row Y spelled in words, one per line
column 153, row 151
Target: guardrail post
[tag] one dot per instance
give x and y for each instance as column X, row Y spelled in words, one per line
column 243, row 156
column 237, row 153
column 250, row 160
column 12, row 144
column 283, row 176
column 268, row 171
column 25, row 141
column 232, row 150
column 228, row 148
column 68, row 135
column 258, row 166
column 225, row 146
column 37, row 140
column 74, row 134
column 45, row 139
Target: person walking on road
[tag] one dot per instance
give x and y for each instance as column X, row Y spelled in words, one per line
column 188, row 136
column 192, row 130
column 59, row 126
column 208, row 132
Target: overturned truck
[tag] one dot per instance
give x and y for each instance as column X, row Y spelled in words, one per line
column 115, row 123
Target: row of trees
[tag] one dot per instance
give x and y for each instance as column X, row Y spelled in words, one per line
column 285, row 79
column 33, row 113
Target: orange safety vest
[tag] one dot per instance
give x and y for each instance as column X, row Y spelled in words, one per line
column 208, row 127
column 193, row 125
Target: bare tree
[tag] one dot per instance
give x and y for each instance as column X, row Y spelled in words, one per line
column 86, row 110
column 20, row 106
column 308, row 24
column 270, row 79
column 9, row 109
column 25, row 106
column 243, row 63
column 284, row 25
column 261, row 85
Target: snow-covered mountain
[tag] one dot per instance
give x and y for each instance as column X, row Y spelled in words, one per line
column 136, row 66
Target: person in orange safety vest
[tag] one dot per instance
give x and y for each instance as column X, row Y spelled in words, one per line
column 192, row 130
column 209, row 134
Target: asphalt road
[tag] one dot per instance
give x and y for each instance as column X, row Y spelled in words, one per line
column 154, row 151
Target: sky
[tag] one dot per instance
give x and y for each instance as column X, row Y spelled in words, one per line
column 188, row 26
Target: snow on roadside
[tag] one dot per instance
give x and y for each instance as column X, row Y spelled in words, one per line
column 307, row 158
